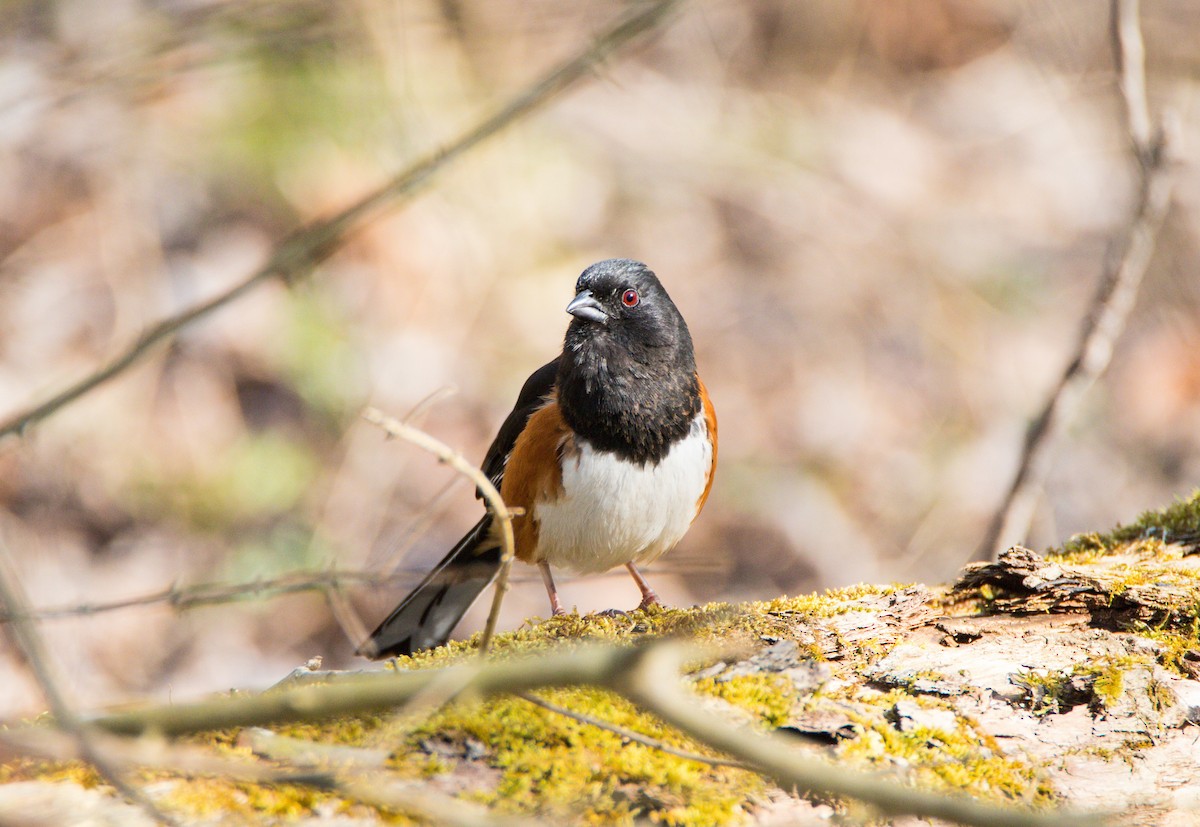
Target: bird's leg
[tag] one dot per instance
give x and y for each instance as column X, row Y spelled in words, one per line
column 649, row 597
column 555, row 606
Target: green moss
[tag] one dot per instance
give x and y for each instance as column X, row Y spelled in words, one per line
column 30, row 769
column 529, row 760
column 348, row 731
column 1179, row 521
column 1103, row 684
column 209, row 797
column 1109, row 685
column 745, row 624
column 558, row 767
column 1146, row 572
column 964, row 759
column 768, row 697
column 829, row 603
column 1047, row 690
column 1179, row 646
column 1162, row 697
column 1100, row 684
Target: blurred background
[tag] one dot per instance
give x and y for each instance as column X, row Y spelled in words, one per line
column 883, row 221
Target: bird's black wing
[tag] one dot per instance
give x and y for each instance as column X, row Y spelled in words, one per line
column 533, row 395
column 428, row 615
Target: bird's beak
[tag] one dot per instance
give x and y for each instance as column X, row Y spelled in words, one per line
column 585, row 307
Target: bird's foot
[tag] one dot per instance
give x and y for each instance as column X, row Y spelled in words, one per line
column 612, row 613
column 648, row 600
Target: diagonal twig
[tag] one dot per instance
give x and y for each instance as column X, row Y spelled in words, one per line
column 182, row 598
column 503, row 515
column 210, row 594
column 28, row 639
column 296, row 255
column 648, row 675
column 149, row 753
column 431, row 807
column 368, row 692
column 652, row 682
column 631, row 735
column 414, row 799
column 1151, row 148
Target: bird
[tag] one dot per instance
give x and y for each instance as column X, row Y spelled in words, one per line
column 608, row 455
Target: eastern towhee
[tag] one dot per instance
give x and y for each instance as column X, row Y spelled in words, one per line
column 609, row 453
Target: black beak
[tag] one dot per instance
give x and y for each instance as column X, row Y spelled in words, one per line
column 585, row 307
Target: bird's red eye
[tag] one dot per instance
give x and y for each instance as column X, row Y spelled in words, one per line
column 630, row 298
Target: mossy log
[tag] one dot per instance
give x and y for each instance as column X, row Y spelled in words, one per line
column 1041, row 680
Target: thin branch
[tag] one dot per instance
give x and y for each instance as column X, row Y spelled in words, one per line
column 150, row 753
column 416, row 799
column 500, row 511
column 29, row 640
column 653, row 684
column 209, row 594
column 371, row 692
column 183, row 598
column 1129, row 56
column 631, row 735
column 1115, row 297
column 296, row 255
column 427, row 805
column 648, row 675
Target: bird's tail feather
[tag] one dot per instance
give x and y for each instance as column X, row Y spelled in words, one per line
column 431, row 611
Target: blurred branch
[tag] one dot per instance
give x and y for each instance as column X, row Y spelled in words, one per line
column 182, row 598
column 30, row 643
column 1117, row 292
column 296, row 255
column 653, row 684
column 1129, row 57
column 503, row 515
column 205, row 594
column 434, row 808
column 631, row 735
column 648, row 675
column 372, row 692
column 149, row 753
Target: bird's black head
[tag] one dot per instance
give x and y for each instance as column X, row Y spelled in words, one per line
column 623, row 301
column 627, row 378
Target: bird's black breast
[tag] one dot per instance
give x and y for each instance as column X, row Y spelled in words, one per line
column 637, row 409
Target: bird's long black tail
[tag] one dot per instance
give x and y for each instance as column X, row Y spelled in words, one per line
column 431, row 611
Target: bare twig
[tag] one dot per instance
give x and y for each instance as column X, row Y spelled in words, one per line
column 183, row 598
column 148, row 753
column 504, row 517
column 427, row 805
column 354, row 773
column 1129, row 57
column 630, row 735
column 298, row 254
column 647, row 675
column 1115, row 297
column 371, row 692
column 653, row 684
column 209, row 594
column 27, row 637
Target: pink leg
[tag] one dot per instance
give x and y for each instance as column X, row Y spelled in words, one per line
column 649, row 598
column 555, row 607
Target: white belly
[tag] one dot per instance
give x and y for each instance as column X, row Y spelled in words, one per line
column 613, row 511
